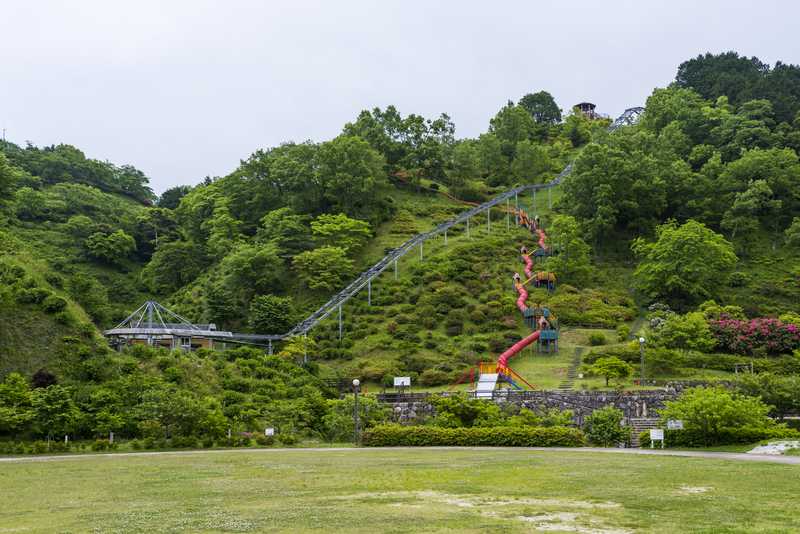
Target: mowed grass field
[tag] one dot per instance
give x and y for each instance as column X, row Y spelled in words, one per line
column 398, row 490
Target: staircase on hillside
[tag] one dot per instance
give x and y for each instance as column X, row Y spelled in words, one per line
column 572, row 371
column 639, row 425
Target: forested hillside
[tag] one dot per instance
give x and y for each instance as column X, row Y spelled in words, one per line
column 699, row 201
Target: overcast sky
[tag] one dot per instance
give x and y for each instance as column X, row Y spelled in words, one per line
column 183, row 89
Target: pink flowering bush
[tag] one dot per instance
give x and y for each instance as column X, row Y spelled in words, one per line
column 762, row 334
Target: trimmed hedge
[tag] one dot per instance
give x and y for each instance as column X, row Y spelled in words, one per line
column 431, row 436
column 726, row 436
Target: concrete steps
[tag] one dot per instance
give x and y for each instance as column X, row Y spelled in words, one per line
column 572, row 372
column 639, row 425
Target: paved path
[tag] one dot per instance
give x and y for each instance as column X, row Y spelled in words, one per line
column 793, row 460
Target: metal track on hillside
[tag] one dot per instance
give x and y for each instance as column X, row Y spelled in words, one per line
column 629, row 116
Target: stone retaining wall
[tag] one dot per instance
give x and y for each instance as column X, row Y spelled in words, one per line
column 582, row 403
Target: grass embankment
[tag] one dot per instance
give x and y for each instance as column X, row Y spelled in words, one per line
column 398, row 491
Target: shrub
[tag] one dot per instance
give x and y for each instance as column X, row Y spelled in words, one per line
column 713, row 412
column 53, row 304
column 32, row 295
column 428, row 436
column 604, row 427
column 265, row 441
column 761, row 334
column 454, row 329
column 623, row 331
column 725, row 436
column 690, row 331
column 596, row 339
column 102, row 445
column 288, row 439
column 738, row 279
column 184, row 442
column 433, row 377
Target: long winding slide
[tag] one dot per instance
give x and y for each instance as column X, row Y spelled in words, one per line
column 516, row 348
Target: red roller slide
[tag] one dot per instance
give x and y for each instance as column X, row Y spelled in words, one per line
column 516, row 348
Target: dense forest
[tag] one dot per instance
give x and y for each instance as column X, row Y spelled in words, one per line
column 697, row 204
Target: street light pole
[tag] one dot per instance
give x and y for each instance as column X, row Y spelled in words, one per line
column 641, row 356
column 356, row 387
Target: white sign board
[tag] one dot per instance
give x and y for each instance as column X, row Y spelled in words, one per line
column 675, row 424
column 402, row 381
column 269, row 431
column 656, row 434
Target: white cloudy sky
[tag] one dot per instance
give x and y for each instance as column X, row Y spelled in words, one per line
column 183, row 89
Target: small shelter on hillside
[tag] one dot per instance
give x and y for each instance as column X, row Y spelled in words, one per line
column 153, row 324
column 588, row 109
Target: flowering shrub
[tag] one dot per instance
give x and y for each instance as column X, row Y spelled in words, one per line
column 756, row 335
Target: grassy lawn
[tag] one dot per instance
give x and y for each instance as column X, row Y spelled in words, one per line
column 398, row 491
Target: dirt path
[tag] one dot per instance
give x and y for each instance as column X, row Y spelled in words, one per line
column 791, row 460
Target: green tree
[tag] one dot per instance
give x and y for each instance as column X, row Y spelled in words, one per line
column 494, row 164
column 30, row 204
column 9, row 175
column 511, row 125
column 604, row 427
column 749, row 207
column 571, row 261
column 270, row 314
column 286, row 229
column 615, row 188
column 577, row 129
column 173, row 265
column 55, row 413
column 15, row 404
column 251, row 269
column 112, row 248
column 779, row 168
column 684, row 264
column 298, row 349
column 324, row 268
column 171, row 198
column 611, row 368
column 792, row 232
column 340, row 231
column 781, row 393
column 465, row 164
column 710, row 410
column 223, row 229
column 80, row 226
column 689, row 332
column 350, row 173
column 676, row 105
column 542, row 107
column 530, row 163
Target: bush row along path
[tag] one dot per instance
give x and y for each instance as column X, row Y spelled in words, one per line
column 792, row 460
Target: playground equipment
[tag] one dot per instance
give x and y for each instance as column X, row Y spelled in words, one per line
column 539, row 318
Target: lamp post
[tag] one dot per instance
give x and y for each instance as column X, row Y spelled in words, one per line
column 356, row 387
column 641, row 356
